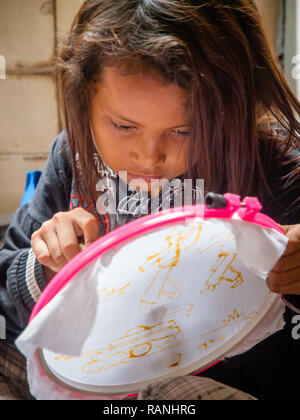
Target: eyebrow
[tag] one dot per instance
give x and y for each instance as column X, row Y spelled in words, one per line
column 120, row 117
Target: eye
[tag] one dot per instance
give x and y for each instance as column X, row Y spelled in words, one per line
column 182, row 133
column 121, row 127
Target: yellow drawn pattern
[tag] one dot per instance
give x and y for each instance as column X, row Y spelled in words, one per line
column 143, row 341
column 232, row 318
column 222, row 271
column 216, row 241
column 185, row 310
column 140, row 341
column 176, row 359
column 106, row 294
column 163, row 286
column 206, row 344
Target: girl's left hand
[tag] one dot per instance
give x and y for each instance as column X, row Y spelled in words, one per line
column 285, row 275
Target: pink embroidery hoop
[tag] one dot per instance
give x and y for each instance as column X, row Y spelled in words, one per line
column 247, row 211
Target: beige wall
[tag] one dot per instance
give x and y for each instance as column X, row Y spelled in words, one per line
column 29, row 117
column 270, row 10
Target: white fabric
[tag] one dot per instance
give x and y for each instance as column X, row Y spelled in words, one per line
column 68, row 322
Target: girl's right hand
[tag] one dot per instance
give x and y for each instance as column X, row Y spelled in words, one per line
column 58, row 240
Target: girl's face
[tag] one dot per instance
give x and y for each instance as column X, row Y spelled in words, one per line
column 140, row 126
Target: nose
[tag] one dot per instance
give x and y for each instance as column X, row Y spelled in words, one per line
column 148, row 153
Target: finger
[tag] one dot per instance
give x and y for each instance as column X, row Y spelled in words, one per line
column 87, row 224
column 293, row 233
column 67, row 238
column 51, row 240
column 42, row 253
column 283, row 279
column 287, row 262
column 286, row 289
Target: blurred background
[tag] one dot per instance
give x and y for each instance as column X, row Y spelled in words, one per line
column 30, row 33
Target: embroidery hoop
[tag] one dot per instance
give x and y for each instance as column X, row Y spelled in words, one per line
column 248, row 213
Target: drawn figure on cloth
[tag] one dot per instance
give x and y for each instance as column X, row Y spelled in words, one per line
column 138, row 342
column 216, row 240
column 107, row 293
column 223, row 271
column 164, row 286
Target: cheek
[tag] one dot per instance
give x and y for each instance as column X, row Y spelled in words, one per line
column 177, row 157
column 113, row 152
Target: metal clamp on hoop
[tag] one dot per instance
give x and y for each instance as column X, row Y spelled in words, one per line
column 227, row 204
column 215, row 201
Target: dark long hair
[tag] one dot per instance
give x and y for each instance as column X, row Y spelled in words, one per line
column 217, row 50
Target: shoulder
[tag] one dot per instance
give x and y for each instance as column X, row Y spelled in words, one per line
column 60, row 150
column 54, row 187
column 59, row 162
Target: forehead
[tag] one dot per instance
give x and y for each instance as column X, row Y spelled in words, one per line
column 141, row 96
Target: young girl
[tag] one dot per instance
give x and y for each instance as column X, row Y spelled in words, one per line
column 159, row 90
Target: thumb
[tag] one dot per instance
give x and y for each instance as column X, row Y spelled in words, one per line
column 285, row 228
column 293, row 233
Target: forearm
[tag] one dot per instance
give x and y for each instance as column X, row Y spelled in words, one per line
column 24, row 283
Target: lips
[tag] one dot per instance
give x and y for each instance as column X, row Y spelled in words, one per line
column 147, row 178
